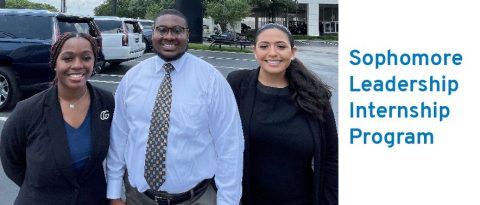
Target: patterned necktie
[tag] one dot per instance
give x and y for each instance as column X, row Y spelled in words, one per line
column 157, row 136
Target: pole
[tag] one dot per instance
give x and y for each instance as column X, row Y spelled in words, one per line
column 114, row 8
column 192, row 9
column 63, row 7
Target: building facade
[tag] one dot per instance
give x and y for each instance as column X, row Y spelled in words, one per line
column 321, row 16
column 310, row 17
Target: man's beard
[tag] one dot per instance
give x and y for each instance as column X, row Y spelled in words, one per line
column 168, row 59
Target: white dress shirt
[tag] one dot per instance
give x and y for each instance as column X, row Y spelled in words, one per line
column 204, row 138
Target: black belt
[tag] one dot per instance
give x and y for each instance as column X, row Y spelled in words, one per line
column 164, row 198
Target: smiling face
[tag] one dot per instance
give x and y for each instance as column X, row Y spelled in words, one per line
column 74, row 64
column 170, row 37
column 273, row 52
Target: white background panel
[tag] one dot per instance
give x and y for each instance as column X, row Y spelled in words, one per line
column 447, row 172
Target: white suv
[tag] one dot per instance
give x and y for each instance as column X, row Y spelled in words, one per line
column 122, row 38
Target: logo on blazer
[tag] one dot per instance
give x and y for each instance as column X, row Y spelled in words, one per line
column 104, row 115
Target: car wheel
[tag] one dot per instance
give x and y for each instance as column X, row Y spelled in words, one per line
column 99, row 66
column 148, row 46
column 9, row 91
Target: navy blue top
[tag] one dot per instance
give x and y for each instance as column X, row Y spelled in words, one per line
column 79, row 143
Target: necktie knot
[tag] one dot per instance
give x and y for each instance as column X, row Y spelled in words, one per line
column 168, row 67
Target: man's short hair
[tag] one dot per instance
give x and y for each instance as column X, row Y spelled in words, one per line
column 172, row 12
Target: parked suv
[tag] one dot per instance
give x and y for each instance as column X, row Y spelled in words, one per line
column 147, row 27
column 25, row 39
column 122, row 38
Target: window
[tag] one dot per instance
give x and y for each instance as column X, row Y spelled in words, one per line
column 133, row 27
column 30, row 27
column 147, row 24
column 109, row 26
column 73, row 27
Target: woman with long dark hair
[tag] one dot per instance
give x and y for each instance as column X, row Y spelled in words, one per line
column 291, row 142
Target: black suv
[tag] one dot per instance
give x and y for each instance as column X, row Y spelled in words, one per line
column 147, row 28
column 25, row 39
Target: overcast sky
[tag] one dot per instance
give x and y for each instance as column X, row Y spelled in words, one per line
column 77, row 7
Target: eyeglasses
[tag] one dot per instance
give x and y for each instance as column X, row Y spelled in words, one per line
column 176, row 30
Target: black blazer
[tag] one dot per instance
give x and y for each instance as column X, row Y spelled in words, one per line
column 325, row 165
column 35, row 154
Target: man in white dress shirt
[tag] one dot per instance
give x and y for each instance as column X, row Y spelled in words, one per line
column 204, row 138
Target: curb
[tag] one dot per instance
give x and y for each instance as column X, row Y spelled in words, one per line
column 333, row 43
column 307, row 42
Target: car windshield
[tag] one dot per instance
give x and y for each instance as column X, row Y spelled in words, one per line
column 79, row 27
column 109, row 26
column 15, row 27
column 133, row 27
column 147, row 24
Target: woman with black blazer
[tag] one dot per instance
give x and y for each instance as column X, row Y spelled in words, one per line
column 54, row 143
column 291, row 142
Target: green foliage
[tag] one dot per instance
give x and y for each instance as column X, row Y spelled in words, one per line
column 145, row 9
column 25, row 4
column 274, row 5
column 154, row 9
column 138, row 8
column 105, row 9
column 226, row 12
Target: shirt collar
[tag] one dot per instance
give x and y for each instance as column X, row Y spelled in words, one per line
column 177, row 64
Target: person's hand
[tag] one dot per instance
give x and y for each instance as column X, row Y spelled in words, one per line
column 117, row 202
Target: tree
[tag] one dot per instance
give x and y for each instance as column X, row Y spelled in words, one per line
column 226, row 12
column 272, row 7
column 147, row 9
column 153, row 10
column 274, row 4
column 25, row 4
column 105, row 8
